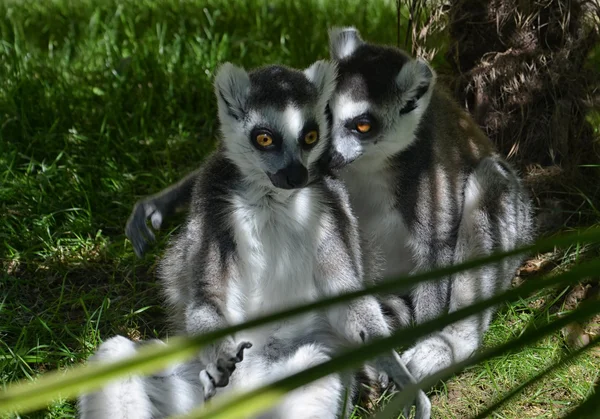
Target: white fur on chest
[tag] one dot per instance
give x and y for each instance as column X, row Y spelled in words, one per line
column 373, row 201
column 276, row 243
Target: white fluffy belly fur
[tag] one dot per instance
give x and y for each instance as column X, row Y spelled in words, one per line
column 277, row 247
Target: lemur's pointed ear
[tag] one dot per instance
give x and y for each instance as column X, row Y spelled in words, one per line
column 232, row 86
column 414, row 80
column 323, row 75
column 343, row 42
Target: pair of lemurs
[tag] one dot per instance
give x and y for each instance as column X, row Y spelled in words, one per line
column 318, row 173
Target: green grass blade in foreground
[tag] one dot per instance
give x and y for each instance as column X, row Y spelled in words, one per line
column 264, row 398
column 256, row 401
column 29, row 396
column 585, row 311
column 514, row 392
column 26, row 396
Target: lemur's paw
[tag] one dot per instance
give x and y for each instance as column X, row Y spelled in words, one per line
column 383, row 380
column 137, row 231
column 217, row 373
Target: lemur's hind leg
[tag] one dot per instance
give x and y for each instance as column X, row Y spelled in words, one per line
column 361, row 321
column 496, row 217
column 175, row 390
column 125, row 398
column 321, row 399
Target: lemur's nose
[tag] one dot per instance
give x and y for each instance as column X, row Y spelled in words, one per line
column 297, row 175
column 293, row 176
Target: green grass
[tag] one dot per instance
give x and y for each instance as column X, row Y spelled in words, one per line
column 102, row 102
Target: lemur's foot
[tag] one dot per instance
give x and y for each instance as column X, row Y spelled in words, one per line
column 217, row 374
column 399, row 374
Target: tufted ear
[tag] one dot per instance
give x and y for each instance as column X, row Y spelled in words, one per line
column 343, row 42
column 323, row 75
column 414, row 80
column 232, row 86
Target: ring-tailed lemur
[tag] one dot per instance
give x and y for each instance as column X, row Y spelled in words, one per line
column 423, row 180
column 438, row 193
column 267, row 229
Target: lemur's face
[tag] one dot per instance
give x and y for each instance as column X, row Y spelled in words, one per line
column 380, row 97
column 273, row 120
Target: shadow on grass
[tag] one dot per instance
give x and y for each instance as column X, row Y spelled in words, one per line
column 56, row 314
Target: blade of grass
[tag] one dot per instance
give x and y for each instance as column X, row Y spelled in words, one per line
column 585, row 311
column 256, row 401
column 28, row 396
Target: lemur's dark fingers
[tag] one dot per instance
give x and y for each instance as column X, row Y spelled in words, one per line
column 136, row 230
column 240, row 350
column 229, row 364
column 219, row 373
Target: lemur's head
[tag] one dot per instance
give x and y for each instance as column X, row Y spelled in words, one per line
column 379, row 100
column 273, row 120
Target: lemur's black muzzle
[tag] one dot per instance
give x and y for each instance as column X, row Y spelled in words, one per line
column 293, row 176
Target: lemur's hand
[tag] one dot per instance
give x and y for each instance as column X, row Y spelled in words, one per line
column 137, row 230
column 384, row 380
column 217, row 374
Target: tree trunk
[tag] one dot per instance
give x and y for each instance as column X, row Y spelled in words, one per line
column 520, row 69
column 522, row 74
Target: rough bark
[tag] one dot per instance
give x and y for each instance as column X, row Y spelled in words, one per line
column 521, row 72
column 521, row 68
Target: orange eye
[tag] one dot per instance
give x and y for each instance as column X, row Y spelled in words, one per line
column 363, row 127
column 264, row 140
column 311, row 137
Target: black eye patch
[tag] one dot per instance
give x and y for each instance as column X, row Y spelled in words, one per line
column 306, row 137
column 365, row 126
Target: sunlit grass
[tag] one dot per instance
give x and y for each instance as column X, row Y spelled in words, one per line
column 102, row 102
